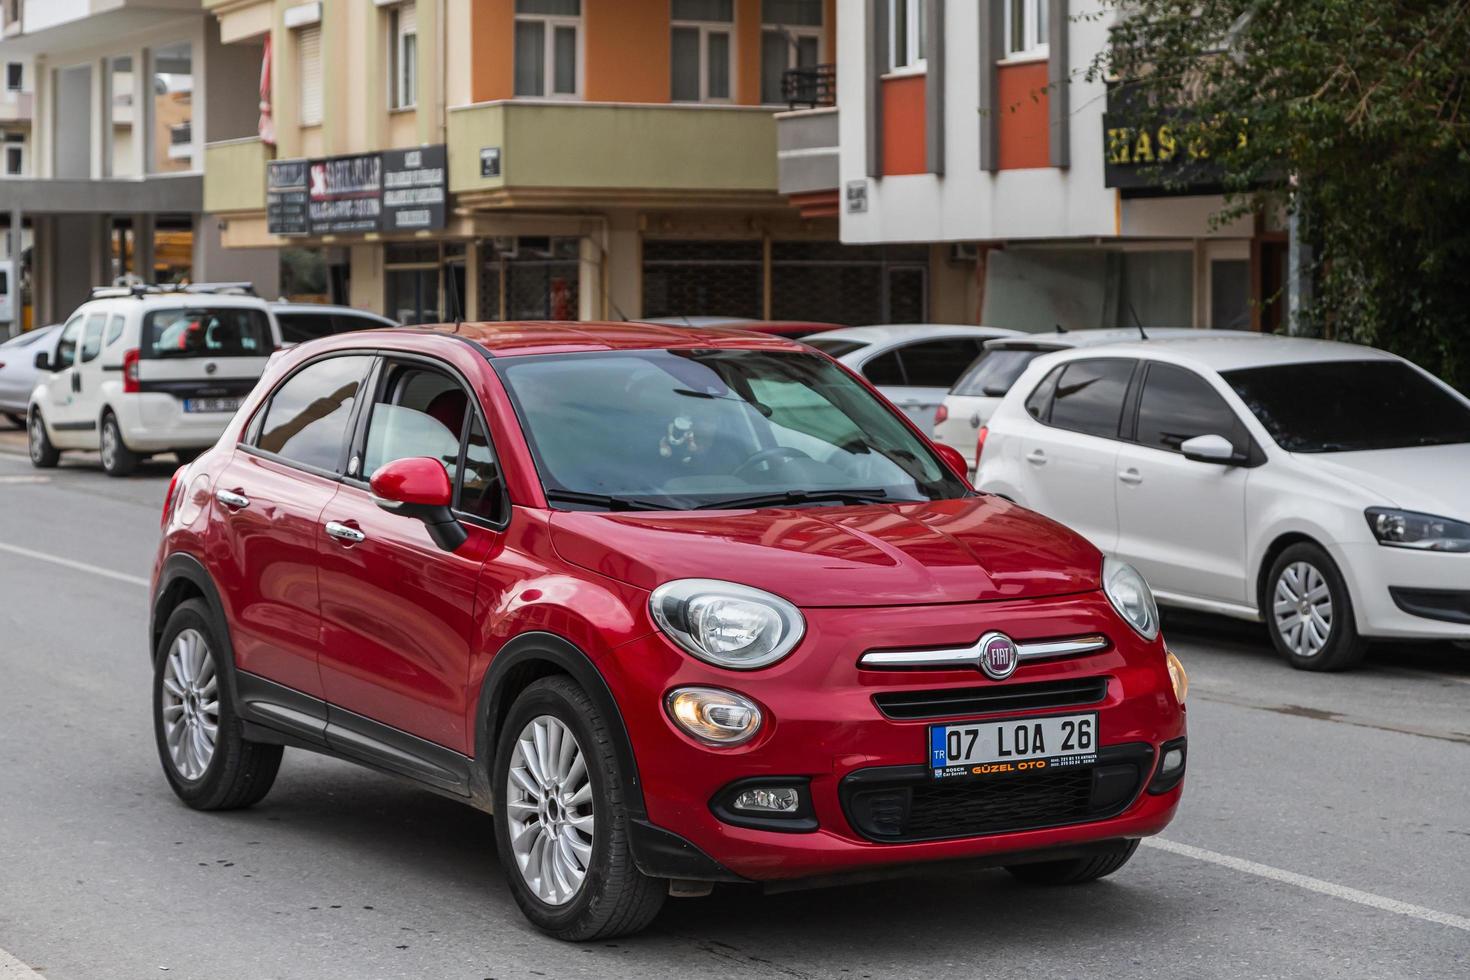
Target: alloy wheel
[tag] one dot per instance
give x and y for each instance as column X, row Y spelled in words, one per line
column 190, row 704
column 549, row 810
column 1303, row 609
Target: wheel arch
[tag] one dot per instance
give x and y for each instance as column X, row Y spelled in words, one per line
column 184, row 577
column 523, row 661
column 1273, row 551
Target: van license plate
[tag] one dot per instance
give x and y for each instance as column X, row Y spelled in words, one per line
column 1015, row 745
column 211, row 404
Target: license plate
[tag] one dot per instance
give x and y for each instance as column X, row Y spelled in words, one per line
column 993, row 748
column 211, row 404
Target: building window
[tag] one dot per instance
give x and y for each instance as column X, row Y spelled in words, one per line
column 791, row 38
column 403, row 56
column 15, row 74
column 173, row 109
column 121, row 157
column 548, row 48
column 1026, row 28
column 15, row 154
column 703, row 50
column 908, row 29
column 309, row 74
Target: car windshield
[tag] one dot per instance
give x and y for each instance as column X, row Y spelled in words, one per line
column 688, row 428
column 206, row 332
column 995, row 371
column 833, row 347
column 1348, row 406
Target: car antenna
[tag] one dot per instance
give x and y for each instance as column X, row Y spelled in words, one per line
column 1136, row 321
column 457, row 310
column 619, row 311
column 1061, row 329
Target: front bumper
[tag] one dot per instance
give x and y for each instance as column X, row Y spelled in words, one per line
column 1428, row 580
column 874, row 805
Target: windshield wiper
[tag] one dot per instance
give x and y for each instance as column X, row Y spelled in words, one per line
column 868, row 495
column 606, row 500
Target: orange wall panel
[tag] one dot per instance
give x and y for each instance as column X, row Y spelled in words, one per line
column 748, row 52
column 627, row 44
column 903, row 125
column 1024, row 120
column 492, row 47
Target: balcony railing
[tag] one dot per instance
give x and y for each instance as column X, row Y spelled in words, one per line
column 808, row 88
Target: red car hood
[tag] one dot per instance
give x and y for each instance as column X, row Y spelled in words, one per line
column 969, row 550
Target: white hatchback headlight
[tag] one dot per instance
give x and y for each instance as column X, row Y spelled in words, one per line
column 726, row 624
column 1131, row 597
column 1421, row 532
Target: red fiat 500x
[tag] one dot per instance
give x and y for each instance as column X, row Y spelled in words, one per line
column 679, row 607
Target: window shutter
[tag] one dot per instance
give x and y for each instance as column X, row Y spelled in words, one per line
column 408, row 19
column 309, row 50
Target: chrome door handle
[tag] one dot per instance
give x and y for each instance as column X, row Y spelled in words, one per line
column 344, row 533
column 231, row 499
column 1131, row 476
column 1036, row 457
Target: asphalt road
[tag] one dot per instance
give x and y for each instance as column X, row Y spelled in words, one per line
column 1325, row 829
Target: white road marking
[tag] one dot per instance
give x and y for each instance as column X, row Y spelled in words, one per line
column 25, row 479
column 1328, row 888
column 80, row 566
column 13, row 969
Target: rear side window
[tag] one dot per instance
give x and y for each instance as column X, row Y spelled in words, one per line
column 92, row 336
column 993, row 374
column 306, row 420
column 1038, row 405
column 885, row 369
column 1178, row 404
column 1089, row 396
column 205, row 332
column 938, row 363
column 115, row 329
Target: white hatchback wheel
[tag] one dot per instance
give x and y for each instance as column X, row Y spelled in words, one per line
column 1302, row 605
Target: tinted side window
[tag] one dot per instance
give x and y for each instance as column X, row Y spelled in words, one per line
column 419, row 413
column 92, row 336
column 306, row 421
column 885, row 369
column 66, row 347
column 994, row 373
column 938, row 363
column 1178, row 404
column 481, row 489
column 1089, row 396
column 1038, row 405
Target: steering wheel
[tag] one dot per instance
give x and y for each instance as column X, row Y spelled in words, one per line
column 768, row 457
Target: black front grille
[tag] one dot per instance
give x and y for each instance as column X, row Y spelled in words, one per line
column 985, row 700
column 904, row 803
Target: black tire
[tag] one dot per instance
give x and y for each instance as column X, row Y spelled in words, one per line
column 239, row 772
column 117, row 458
column 1076, row 871
column 615, row 898
column 1343, row 647
column 44, row 456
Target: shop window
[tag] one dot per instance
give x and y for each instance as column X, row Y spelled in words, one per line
column 828, row 282
column 702, row 50
column 548, row 48
column 711, row 278
column 403, row 56
column 173, row 108
column 309, row 74
column 411, row 276
column 791, row 38
column 1026, row 28
column 907, row 35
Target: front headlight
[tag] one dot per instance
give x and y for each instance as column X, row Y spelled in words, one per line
column 1131, row 597
column 726, row 624
column 1422, row 532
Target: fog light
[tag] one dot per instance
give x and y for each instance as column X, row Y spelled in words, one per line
column 1173, row 760
column 714, row 716
column 768, row 799
column 1172, row 757
column 1178, row 678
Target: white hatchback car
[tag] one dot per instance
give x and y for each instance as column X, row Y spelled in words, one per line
column 1316, row 485
column 138, row 372
column 913, row 364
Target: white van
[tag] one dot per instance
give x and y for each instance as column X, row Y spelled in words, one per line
column 148, row 370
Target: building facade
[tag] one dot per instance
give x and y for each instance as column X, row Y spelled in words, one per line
column 973, row 123
column 125, row 95
column 504, row 159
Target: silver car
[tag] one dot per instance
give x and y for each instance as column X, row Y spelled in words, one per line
column 18, row 371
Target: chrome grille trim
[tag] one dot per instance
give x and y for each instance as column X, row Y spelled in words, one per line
column 1073, row 646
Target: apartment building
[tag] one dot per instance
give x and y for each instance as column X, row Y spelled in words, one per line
column 125, row 95
column 504, row 159
column 971, row 123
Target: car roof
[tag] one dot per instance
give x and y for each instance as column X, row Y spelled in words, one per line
column 281, row 306
column 891, row 333
column 179, row 300
column 1232, row 351
column 520, row 338
column 1065, row 340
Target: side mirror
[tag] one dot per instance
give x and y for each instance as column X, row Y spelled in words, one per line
column 1208, row 449
column 43, row 361
column 419, row 487
column 995, row 391
column 954, row 460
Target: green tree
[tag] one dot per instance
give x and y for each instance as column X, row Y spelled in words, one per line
column 1357, row 117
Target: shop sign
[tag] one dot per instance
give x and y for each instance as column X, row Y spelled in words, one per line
column 414, row 189
column 285, row 198
column 489, row 161
column 857, row 196
column 346, row 194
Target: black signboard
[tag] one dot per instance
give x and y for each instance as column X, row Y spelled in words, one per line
column 1149, row 151
column 414, row 188
column 346, row 194
column 285, row 197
